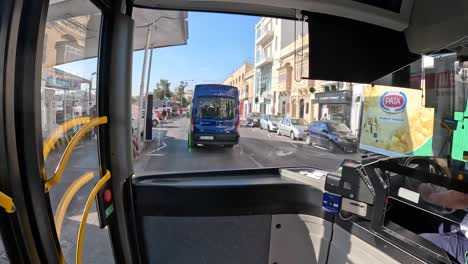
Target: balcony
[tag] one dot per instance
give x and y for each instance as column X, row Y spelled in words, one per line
column 244, row 93
column 265, row 37
column 285, row 79
column 264, row 60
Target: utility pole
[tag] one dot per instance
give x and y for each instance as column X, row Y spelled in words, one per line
column 142, row 86
column 147, row 88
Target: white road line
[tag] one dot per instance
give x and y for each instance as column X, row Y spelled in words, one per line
column 255, row 161
column 156, row 154
column 293, row 144
column 268, row 135
column 158, row 149
column 92, row 218
column 78, row 147
column 319, row 147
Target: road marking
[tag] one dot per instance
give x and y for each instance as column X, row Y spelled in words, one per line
column 156, row 154
column 92, row 218
column 78, row 147
column 281, row 153
column 255, row 161
column 158, row 149
column 293, row 144
column 319, row 147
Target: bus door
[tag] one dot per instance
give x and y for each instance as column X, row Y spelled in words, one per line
column 53, row 66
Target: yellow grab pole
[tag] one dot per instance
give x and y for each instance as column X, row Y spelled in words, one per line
column 66, row 199
column 70, row 147
column 84, row 217
column 7, row 203
column 49, row 143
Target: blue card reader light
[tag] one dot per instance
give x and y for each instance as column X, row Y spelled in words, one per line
column 331, row 202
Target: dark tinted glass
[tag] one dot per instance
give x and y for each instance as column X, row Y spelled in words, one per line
column 338, row 127
column 299, row 122
column 216, row 107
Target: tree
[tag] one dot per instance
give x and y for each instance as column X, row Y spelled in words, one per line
column 180, row 91
column 185, row 103
column 162, row 90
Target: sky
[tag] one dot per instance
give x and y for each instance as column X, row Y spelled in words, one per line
column 218, row 44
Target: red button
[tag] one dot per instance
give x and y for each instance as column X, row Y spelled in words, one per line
column 107, row 195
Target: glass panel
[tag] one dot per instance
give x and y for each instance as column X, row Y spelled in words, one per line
column 3, row 255
column 68, row 100
column 338, row 127
column 298, row 122
column 215, row 107
column 218, row 50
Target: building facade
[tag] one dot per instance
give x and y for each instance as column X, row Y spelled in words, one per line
column 281, row 84
column 238, row 79
column 294, row 92
column 248, row 93
column 271, row 35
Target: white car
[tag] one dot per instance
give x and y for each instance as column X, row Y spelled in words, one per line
column 155, row 121
column 296, row 128
column 269, row 122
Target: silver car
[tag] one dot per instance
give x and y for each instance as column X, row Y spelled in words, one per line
column 296, row 128
column 269, row 122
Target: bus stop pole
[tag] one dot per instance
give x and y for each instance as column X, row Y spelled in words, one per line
column 142, row 86
column 146, row 94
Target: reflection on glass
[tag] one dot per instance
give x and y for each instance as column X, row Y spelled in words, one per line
column 68, row 100
column 338, row 127
column 274, row 118
column 216, row 107
column 298, row 122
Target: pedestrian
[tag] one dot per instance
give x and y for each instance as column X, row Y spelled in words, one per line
column 164, row 114
column 325, row 117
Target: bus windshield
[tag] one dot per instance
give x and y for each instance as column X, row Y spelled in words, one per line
column 216, row 107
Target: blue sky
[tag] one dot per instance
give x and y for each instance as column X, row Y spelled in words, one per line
column 217, row 45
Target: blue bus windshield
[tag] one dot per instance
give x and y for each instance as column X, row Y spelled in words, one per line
column 216, row 107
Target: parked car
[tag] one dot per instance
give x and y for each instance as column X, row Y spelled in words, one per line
column 269, row 122
column 332, row 135
column 157, row 116
column 253, row 119
column 296, row 128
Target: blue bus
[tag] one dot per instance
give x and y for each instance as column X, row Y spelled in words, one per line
column 214, row 116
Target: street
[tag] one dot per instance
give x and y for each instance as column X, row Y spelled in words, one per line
column 256, row 149
column 169, row 153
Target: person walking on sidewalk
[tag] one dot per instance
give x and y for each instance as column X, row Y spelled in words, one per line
column 164, row 114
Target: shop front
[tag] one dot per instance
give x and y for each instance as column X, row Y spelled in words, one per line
column 334, row 106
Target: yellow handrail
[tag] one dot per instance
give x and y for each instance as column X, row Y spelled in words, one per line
column 84, row 217
column 66, row 199
column 7, row 203
column 68, row 151
column 49, row 143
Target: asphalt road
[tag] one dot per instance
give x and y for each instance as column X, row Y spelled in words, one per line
column 256, row 149
column 169, row 153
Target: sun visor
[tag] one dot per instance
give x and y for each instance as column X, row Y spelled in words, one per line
column 347, row 50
